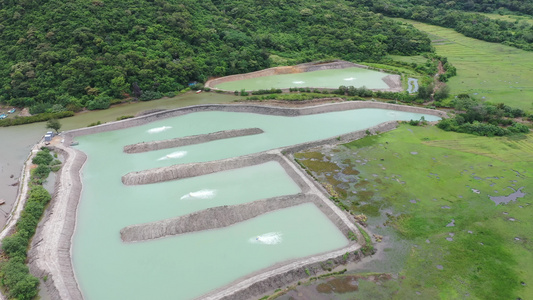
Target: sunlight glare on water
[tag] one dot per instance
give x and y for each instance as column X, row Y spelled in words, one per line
column 201, row 194
column 159, row 129
column 177, row 154
column 271, row 238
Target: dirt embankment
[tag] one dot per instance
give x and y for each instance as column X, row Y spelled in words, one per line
column 50, row 250
column 211, row 218
column 190, row 140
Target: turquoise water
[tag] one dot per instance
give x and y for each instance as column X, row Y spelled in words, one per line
column 356, row 77
column 187, row 266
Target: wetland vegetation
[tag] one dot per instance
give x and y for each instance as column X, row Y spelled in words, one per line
column 459, row 242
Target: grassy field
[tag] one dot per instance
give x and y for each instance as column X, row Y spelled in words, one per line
column 489, row 71
column 510, row 18
column 428, row 193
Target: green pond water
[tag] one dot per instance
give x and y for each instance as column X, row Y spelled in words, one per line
column 18, row 140
column 332, row 79
column 187, row 266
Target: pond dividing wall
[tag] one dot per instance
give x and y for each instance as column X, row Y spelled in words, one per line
column 248, row 286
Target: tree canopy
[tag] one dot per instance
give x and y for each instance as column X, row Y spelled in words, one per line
column 452, row 14
column 59, row 55
column 53, row 124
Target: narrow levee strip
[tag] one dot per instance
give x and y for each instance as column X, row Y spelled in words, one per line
column 257, row 109
column 190, row 140
column 50, row 250
column 283, row 275
column 211, row 218
column 182, row 171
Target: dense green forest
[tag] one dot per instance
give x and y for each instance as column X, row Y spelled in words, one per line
column 60, row 55
column 448, row 14
column 487, row 6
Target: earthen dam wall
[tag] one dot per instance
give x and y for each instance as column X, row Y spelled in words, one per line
column 190, row 140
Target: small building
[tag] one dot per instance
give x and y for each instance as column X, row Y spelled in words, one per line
column 51, row 133
column 47, row 138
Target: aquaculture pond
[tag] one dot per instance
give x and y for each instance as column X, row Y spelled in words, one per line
column 187, row 266
column 357, row 77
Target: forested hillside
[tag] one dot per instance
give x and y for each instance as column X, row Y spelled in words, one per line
column 70, row 54
column 488, row 6
column 449, row 14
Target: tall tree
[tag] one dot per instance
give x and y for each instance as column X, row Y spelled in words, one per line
column 54, row 124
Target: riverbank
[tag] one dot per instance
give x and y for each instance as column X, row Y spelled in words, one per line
column 50, row 253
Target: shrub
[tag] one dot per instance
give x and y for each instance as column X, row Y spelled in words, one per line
column 519, row 128
column 41, row 172
column 100, row 102
column 14, row 271
column 94, row 124
column 124, row 117
column 15, row 245
column 33, row 119
column 25, row 289
column 39, row 194
column 43, row 157
column 270, row 91
column 150, row 95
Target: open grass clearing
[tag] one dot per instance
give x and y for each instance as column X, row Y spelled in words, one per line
column 488, row 71
column 510, row 18
column 444, row 237
column 419, row 59
column 511, row 149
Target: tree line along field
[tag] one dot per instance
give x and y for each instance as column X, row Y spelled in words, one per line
column 487, row 71
column 466, row 17
column 427, row 192
column 521, row 20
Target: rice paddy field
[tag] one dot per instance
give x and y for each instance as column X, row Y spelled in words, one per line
column 488, row 71
column 454, row 212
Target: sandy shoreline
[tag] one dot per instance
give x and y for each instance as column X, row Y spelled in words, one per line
column 50, row 252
